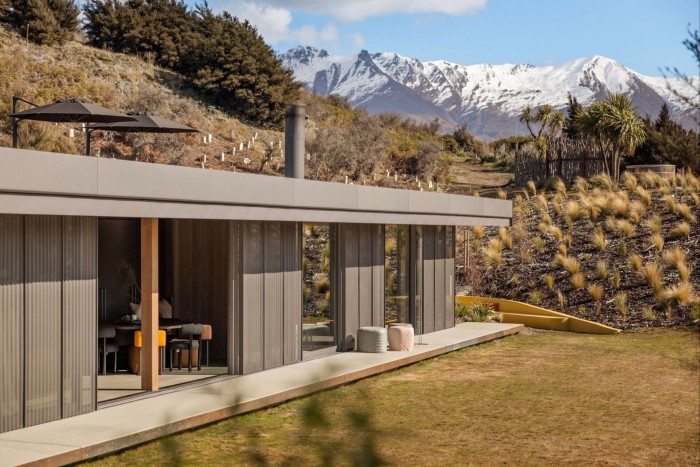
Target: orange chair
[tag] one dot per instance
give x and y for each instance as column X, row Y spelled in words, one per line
column 206, row 337
column 162, row 342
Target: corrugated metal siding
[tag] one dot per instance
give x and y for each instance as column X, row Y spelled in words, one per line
column 79, row 314
column 440, row 285
column 252, row 327
column 12, row 329
column 364, row 284
column 449, row 277
column 349, row 312
column 291, row 243
column 43, row 319
column 273, row 290
column 428, row 278
column 378, row 275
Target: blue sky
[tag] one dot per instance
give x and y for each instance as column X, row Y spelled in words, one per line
column 644, row 35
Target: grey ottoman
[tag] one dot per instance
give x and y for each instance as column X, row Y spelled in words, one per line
column 371, row 339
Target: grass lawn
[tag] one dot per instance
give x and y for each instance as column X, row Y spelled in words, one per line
column 540, row 398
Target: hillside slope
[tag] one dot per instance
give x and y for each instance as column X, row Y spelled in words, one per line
column 626, row 256
column 43, row 74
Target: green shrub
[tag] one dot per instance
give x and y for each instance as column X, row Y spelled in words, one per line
column 478, row 312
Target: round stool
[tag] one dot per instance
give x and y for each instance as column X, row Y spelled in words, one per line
column 401, row 338
column 371, row 339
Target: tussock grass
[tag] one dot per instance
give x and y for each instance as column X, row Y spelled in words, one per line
column 620, row 301
column 549, row 281
column 478, row 232
column 568, row 263
column 626, row 228
column 695, row 198
column 562, row 249
column 602, row 269
column 616, row 279
column 653, row 223
column 573, row 211
column 650, row 180
column 644, row 195
column 657, row 241
column 555, row 232
column 534, row 297
column 679, row 294
column 595, row 291
column 598, row 239
column 538, row 244
column 685, row 212
column 602, row 180
column 670, row 203
column 578, row 281
column 635, row 262
column 559, row 186
column 682, row 229
column 493, row 253
column 581, row 185
column 532, row 187
column 622, row 248
column 651, row 273
column 506, row 238
column 611, row 224
column 502, row 194
column 629, row 180
column 674, row 256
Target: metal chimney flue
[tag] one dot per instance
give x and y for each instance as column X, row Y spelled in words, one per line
column 294, row 148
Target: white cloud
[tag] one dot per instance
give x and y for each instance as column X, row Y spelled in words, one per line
column 274, row 23
column 358, row 10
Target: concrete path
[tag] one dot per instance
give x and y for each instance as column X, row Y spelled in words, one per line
column 118, row 427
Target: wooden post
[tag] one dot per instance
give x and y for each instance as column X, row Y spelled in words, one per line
column 149, row 304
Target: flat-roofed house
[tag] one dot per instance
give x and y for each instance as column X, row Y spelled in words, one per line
column 225, row 248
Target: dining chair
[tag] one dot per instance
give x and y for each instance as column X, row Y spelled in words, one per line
column 105, row 332
column 206, row 337
column 138, row 343
column 190, row 337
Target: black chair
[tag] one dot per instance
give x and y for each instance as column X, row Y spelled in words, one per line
column 190, row 339
column 105, row 332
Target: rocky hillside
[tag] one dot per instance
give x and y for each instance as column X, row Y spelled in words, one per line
column 488, row 98
column 627, row 256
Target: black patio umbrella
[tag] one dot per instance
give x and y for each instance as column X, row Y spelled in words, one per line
column 143, row 122
column 73, row 110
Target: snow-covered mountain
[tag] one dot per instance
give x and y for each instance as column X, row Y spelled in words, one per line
column 488, row 98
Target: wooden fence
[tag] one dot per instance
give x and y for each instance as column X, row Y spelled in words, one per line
column 568, row 159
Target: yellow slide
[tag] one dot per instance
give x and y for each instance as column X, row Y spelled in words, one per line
column 536, row 317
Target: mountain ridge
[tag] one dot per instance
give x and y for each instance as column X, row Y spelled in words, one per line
column 487, row 97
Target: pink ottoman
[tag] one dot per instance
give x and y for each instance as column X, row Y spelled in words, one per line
column 401, row 338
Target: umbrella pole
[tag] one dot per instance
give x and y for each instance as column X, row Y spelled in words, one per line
column 88, row 134
column 14, row 122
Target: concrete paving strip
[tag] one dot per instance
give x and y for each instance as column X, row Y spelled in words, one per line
column 132, row 423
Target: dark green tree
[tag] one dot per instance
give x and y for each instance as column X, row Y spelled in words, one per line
column 663, row 121
column 574, row 107
column 223, row 57
column 668, row 143
column 46, row 22
column 5, row 11
column 466, row 141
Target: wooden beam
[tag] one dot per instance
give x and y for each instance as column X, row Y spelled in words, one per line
column 149, row 304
